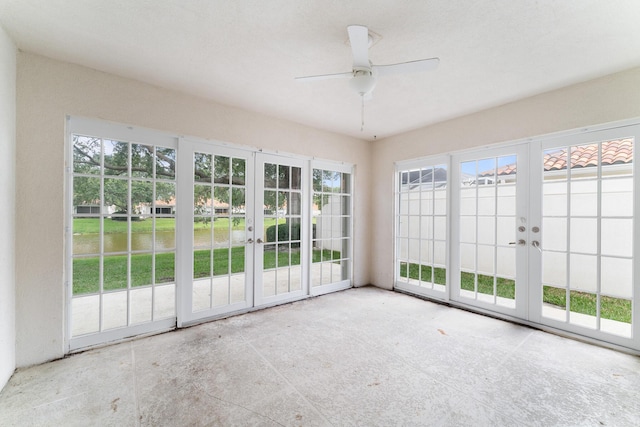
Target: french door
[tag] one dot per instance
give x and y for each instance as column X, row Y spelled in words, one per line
column 490, row 229
column 281, row 229
column 245, row 240
column 543, row 231
column 583, row 273
column 164, row 231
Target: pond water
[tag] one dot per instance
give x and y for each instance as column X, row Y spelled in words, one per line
column 117, row 242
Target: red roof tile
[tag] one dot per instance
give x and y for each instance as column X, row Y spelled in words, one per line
column 613, row 152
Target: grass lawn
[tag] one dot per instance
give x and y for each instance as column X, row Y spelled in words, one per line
column 86, row 271
column 586, row 303
column 579, row 302
column 423, row 272
column 505, row 288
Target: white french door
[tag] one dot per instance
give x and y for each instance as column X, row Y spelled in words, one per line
column 281, row 229
column 489, row 228
column 164, row 231
column 543, row 231
column 584, row 188
column 245, row 238
column 215, row 260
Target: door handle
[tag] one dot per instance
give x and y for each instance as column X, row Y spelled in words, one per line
column 249, row 240
column 536, row 245
column 259, row 240
column 520, row 242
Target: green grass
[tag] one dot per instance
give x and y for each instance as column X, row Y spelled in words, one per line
column 505, row 288
column 423, row 272
column 86, row 271
column 325, row 255
column 579, row 302
column 586, row 303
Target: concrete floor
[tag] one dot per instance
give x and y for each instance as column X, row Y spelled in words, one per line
column 358, row 357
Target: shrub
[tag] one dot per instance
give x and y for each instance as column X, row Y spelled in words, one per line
column 283, row 232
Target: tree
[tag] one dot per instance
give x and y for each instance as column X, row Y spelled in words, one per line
column 119, row 162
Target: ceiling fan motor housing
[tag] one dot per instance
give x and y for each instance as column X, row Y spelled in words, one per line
column 363, row 81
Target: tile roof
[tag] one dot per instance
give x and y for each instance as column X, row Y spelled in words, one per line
column 613, row 152
column 582, row 156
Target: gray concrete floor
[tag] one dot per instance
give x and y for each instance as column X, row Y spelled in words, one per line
column 358, row 357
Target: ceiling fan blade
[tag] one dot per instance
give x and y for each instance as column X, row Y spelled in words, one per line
column 359, row 39
column 324, row 77
column 407, row 67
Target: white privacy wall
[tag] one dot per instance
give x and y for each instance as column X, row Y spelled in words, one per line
column 7, row 201
column 611, row 98
column 47, row 90
column 618, row 195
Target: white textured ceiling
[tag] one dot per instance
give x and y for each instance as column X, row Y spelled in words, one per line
column 246, row 53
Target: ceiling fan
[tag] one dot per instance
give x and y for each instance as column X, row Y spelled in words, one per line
column 364, row 74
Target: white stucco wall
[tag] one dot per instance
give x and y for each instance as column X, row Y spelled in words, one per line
column 7, row 201
column 47, row 90
column 607, row 99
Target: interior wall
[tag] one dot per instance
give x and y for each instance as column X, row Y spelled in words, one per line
column 47, row 91
column 610, row 98
column 7, row 201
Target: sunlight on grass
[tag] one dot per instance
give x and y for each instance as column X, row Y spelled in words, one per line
column 586, row 303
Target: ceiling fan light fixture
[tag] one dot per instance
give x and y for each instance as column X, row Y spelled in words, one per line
column 363, row 82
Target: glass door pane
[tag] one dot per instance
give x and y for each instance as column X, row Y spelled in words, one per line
column 219, row 233
column 123, row 245
column 490, row 229
column 331, row 228
column 587, row 194
column 421, row 240
column 279, row 248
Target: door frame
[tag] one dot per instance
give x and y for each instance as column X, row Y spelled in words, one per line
column 184, row 230
column 131, row 134
column 258, row 248
column 585, row 136
column 522, row 182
